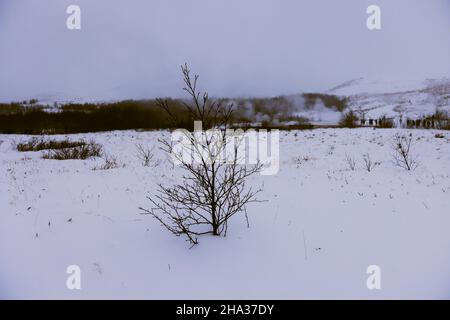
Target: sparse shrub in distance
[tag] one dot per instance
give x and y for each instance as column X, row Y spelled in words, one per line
column 38, row 144
column 81, row 152
column 403, row 155
column 350, row 162
column 30, row 145
column 110, row 162
column 348, row 120
column 368, row 163
column 145, row 155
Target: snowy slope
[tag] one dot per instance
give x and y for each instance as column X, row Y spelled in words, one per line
column 393, row 98
column 321, row 226
column 375, row 86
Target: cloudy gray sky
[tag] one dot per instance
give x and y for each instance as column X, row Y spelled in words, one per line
column 133, row 48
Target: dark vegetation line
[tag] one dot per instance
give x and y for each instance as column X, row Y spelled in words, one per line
column 78, row 118
column 29, row 117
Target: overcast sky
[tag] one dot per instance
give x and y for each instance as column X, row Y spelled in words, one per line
column 133, row 48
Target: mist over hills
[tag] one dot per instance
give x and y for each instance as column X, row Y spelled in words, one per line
column 368, row 98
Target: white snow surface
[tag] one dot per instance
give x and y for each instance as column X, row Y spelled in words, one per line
column 320, row 228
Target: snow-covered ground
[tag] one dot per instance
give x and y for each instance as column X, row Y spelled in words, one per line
column 320, row 229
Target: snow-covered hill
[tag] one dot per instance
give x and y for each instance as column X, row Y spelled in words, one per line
column 392, row 98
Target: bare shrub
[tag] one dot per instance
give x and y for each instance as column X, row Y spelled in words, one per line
column 38, row 144
column 81, row 152
column 350, row 162
column 145, row 155
column 369, row 165
column 30, row 145
column 110, row 162
column 403, row 156
column 212, row 191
